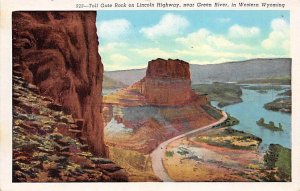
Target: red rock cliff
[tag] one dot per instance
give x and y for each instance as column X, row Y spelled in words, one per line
column 161, row 68
column 167, row 82
column 58, row 51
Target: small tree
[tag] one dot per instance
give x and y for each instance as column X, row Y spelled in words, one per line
column 271, row 156
column 169, row 153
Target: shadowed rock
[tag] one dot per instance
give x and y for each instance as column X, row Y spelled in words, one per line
column 46, row 150
column 58, row 52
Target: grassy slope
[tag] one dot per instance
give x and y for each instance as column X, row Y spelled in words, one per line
column 224, row 93
column 286, row 93
column 263, row 88
column 212, row 111
column 278, row 158
column 111, row 83
column 138, row 165
column 279, row 81
column 47, row 146
column 232, row 139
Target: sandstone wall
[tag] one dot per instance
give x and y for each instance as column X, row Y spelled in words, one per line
column 58, row 51
column 170, row 68
column 167, row 82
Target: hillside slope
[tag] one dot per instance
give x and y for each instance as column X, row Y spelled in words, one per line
column 48, row 145
column 111, row 83
column 224, row 72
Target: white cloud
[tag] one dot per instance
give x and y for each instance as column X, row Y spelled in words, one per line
column 119, row 58
column 237, row 31
column 200, row 47
column 206, row 47
column 279, row 24
column 199, row 35
column 153, row 53
column 169, row 25
column 114, row 29
column 115, row 62
column 111, row 47
column 214, row 61
column 206, row 42
column 279, row 38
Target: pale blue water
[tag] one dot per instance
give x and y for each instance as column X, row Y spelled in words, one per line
column 248, row 112
column 251, row 110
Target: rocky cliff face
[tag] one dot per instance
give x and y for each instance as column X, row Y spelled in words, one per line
column 48, row 145
column 159, row 107
column 58, row 52
column 171, row 69
column 167, row 82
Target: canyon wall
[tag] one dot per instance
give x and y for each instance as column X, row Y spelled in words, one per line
column 167, row 82
column 58, row 52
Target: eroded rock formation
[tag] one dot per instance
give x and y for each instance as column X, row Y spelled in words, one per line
column 167, row 82
column 58, row 52
column 156, row 108
column 48, row 145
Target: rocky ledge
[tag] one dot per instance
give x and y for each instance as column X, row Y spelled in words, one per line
column 48, row 145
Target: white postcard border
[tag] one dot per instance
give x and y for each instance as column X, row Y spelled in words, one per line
column 6, row 99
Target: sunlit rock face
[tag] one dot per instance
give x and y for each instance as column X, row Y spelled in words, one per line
column 156, row 108
column 167, row 82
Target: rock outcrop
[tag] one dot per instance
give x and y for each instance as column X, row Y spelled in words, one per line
column 167, row 82
column 156, row 108
column 48, row 145
column 169, row 69
column 58, row 52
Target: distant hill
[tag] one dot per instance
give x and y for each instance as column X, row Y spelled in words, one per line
column 111, row 83
column 127, row 77
column 240, row 71
column 224, row 72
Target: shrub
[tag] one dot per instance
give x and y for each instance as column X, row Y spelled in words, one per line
column 169, row 153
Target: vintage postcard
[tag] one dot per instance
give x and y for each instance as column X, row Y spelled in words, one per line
column 127, row 95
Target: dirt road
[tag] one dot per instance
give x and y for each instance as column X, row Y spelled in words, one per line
column 158, row 154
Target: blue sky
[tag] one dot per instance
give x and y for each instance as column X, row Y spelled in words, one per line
column 129, row 39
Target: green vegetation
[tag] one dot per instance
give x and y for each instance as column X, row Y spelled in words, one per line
column 224, row 93
column 212, row 111
column 183, row 151
column 169, row 153
column 279, row 81
column 232, row 139
column 129, row 158
column 47, row 143
column 230, row 121
column 137, row 165
column 110, row 83
column 286, row 93
column 280, row 104
column 278, row 158
column 270, row 125
column 263, row 89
